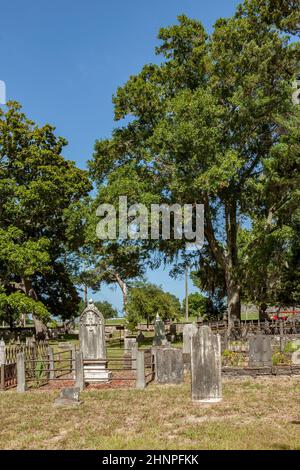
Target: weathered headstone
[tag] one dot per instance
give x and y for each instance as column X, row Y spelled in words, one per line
column 173, row 331
column 296, row 358
column 79, row 372
column 260, row 351
column 169, row 365
column 92, row 345
column 129, row 343
column 296, row 354
column 134, row 352
column 140, row 338
column 206, row 366
column 21, row 381
column 159, row 332
column 68, row 397
column 188, row 330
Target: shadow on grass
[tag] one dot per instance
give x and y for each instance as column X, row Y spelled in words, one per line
column 284, row 447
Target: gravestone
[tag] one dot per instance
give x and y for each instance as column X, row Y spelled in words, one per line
column 260, row 351
column 92, row 345
column 169, row 365
column 129, row 352
column 296, row 353
column 159, row 333
column 206, row 366
column 68, row 397
column 140, row 338
column 173, row 332
column 129, row 343
column 188, row 330
column 79, row 372
column 296, row 358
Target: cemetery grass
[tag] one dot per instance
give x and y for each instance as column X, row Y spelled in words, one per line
column 255, row 414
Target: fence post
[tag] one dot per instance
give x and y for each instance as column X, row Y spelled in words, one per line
column 140, row 370
column 51, row 363
column 134, row 355
column 2, row 352
column 79, row 372
column 2, row 364
column 21, row 384
column 2, row 377
column 281, row 336
column 72, row 361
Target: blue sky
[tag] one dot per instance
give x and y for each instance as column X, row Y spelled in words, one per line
column 63, row 60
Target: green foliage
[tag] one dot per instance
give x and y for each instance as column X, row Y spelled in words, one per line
column 291, row 347
column 145, row 301
column 214, row 123
column 40, row 370
column 280, row 358
column 284, row 14
column 106, row 308
column 198, row 305
column 38, row 186
column 232, row 358
column 53, row 324
column 14, row 305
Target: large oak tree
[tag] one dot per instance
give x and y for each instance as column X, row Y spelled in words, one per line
column 213, row 123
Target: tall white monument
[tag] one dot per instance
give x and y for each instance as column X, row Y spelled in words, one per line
column 92, row 345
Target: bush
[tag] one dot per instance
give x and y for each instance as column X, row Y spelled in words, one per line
column 232, row 358
column 280, row 358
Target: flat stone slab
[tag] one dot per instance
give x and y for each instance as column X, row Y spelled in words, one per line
column 70, row 393
column 66, row 402
column 68, row 397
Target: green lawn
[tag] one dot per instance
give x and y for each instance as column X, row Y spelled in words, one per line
column 115, row 321
column 254, row 414
column 249, row 316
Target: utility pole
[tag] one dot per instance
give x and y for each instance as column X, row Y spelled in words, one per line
column 2, row 92
column 186, row 293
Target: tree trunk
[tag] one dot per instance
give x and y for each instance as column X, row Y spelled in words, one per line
column 226, row 258
column 231, row 263
column 186, row 295
column 233, row 297
column 40, row 327
column 123, row 288
column 86, row 294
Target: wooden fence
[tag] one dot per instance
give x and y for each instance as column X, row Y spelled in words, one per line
column 41, row 364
